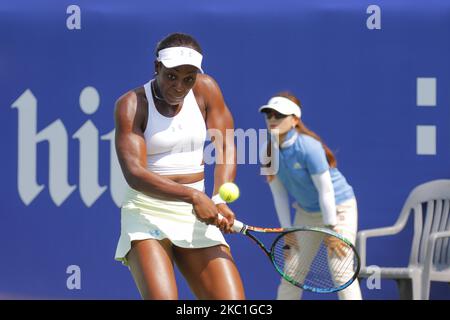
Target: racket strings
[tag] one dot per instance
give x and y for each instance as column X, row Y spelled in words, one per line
column 307, row 258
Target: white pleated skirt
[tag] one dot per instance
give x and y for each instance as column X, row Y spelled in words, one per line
column 144, row 217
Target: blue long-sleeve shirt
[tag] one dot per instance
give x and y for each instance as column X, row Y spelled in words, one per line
column 301, row 159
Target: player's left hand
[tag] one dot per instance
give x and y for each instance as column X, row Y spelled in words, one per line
column 225, row 224
column 335, row 245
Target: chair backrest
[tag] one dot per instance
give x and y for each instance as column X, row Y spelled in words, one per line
column 430, row 203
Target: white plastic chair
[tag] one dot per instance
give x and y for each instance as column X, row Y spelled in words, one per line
column 430, row 249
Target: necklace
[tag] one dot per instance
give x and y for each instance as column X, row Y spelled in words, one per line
column 154, row 91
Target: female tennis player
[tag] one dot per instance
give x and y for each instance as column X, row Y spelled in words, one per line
column 307, row 171
column 166, row 217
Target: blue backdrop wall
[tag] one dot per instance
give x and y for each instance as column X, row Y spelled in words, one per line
column 373, row 76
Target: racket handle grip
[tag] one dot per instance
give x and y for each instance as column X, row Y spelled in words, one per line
column 237, row 225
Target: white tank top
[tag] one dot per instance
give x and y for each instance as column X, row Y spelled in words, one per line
column 175, row 145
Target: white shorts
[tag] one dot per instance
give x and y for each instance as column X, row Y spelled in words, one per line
column 346, row 213
column 144, row 217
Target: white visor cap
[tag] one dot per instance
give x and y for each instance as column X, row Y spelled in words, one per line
column 178, row 56
column 282, row 105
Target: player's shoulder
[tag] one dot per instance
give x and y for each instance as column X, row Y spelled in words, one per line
column 130, row 101
column 308, row 143
column 205, row 82
column 206, row 89
column 128, row 97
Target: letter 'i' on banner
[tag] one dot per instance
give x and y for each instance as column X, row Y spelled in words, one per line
column 426, row 134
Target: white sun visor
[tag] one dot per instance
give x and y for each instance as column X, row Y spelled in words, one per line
column 282, row 105
column 178, row 56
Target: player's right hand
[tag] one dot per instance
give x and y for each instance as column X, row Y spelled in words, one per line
column 204, row 208
column 226, row 220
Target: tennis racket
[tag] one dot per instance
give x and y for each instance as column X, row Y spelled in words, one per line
column 314, row 259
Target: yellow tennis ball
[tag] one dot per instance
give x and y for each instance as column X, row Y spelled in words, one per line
column 229, row 192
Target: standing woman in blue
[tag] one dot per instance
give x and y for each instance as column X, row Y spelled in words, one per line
column 306, row 169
